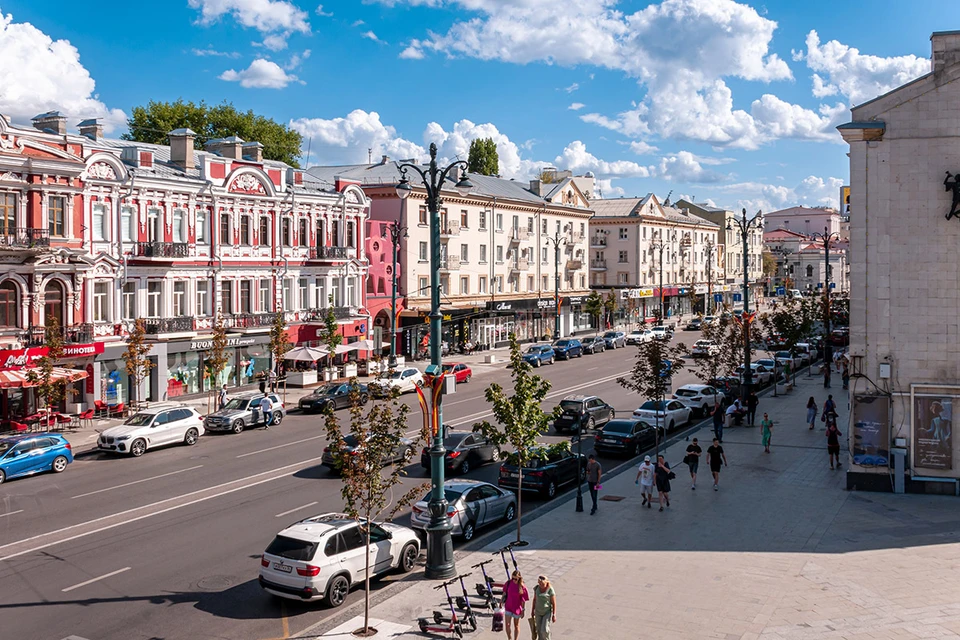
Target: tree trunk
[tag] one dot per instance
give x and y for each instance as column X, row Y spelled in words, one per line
column 366, row 582
column 519, row 497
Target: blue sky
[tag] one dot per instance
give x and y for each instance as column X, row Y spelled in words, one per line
column 730, row 102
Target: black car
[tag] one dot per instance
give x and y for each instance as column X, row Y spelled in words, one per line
column 335, row 396
column 730, row 385
column 464, row 451
column 625, row 437
column 694, row 325
column 582, row 412
column 595, row 344
column 568, row 348
column 546, row 474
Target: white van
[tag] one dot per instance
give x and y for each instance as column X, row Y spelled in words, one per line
column 795, row 293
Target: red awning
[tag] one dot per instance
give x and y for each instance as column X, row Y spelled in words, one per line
column 21, row 377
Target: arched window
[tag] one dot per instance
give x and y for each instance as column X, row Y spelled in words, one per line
column 53, row 302
column 809, row 270
column 9, row 316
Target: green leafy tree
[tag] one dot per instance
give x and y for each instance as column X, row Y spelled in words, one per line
column 483, row 157
column 651, row 376
column 519, row 418
column 138, row 365
column 216, row 359
column 593, row 305
column 790, row 322
column 330, row 333
column 610, row 304
column 769, row 264
column 367, row 487
column 728, row 336
column 279, row 341
column 50, row 390
column 152, row 122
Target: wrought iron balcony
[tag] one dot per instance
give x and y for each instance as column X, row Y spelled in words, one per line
column 77, row 334
column 329, row 253
column 252, row 320
column 518, row 233
column 598, row 242
column 450, row 228
column 154, row 326
column 521, row 264
column 161, row 249
column 598, row 265
column 25, row 237
column 574, row 263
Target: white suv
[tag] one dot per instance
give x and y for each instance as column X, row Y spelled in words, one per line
column 323, row 556
column 162, row 424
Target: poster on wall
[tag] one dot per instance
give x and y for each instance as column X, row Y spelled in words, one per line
column 933, row 432
column 871, row 431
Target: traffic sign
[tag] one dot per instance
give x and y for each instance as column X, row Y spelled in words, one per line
column 833, row 285
column 819, row 285
column 718, row 297
column 738, row 297
column 781, row 291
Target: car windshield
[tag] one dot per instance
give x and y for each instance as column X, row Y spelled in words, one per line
column 571, row 405
column 452, row 442
column 636, row 333
column 687, row 393
column 396, row 375
column 292, row 548
column 783, row 354
column 139, row 419
column 4, row 447
column 237, row 404
column 766, row 363
column 653, row 405
column 562, row 343
column 703, row 343
column 448, row 368
column 451, row 495
column 610, row 334
column 351, row 441
column 533, row 350
column 618, row 426
column 330, row 388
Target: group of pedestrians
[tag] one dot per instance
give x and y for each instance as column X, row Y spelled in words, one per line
column 543, row 608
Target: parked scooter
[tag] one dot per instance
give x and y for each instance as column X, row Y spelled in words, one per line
column 463, row 602
column 489, row 588
column 451, row 625
column 470, row 618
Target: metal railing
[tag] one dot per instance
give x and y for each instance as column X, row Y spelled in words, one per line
column 77, row 334
column 248, row 320
column 597, row 263
column 161, row 249
column 25, row 237
column 154, row 326
column 598, row 242
column 518, row 234
column 328, row 253
column 450, row 228
column 450, row 263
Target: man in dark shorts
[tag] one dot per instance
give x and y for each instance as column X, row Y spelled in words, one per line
column 833, row 441
column 693, row 461
column 717, row 459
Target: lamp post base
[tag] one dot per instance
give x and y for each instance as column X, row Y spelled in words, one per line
column 579, row 499
column 440, row 564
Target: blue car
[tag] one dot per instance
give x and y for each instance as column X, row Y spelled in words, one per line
column 568, row 348
column 24, row 455
column 539, row 354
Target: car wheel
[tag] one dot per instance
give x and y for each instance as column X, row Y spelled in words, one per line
column 467, row 379
column 705, row 411
column 636, row 450
column 59, row 464
column 191, row 437
column 467, row 532
column 277, row 418
column 329, row 406
column 592, row 423
column 138, row 447
column 337, row 590
column 537, row 363
column 237, row 426
column 3, row 476
column 510, row 513
column 613, row 414
column 465, row 466
column 552, row 360
column 364, row 398
column 551, row 491
column 671, row 425
column 408, row 558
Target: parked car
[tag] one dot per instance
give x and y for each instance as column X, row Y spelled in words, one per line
column 760, row 374
column 615, row 339
column 807, row 350
column 403, row 380
column 582, row 412
column 705, row 348
column 700, row 398
column 243, row 412
column 471, row 504
column 662, row 333
column 786, row 358
column 639, row 336
column 626, row 437
column 595, row 344
column 694, row 325
column 402, row 452
column 670, row 413
column 162, row 424
column 334, row 396
column 539, row 354
column 460, row 371
column 545, row 475
column 772, row 365
column 464, row 451
column 323, row 556
column 568, row 348
column 27, row 454
column 729, row 385
column 708, row 320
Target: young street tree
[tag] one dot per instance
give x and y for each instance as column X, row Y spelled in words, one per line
column 610, row 307
column 656, row 363
column 593, row 305
column 483, row 157
column 728, row 335
column 138, row 365
column 50, row 390
column 216, row 358
column 519, row 418
column 367, row 487
column 330, row 334
column 279, row 343
column 790, row 322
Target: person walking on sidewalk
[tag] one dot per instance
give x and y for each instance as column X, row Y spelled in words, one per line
column 272, row 379
column 515, row 598
column 718, row 421
column 693, row 461
column 829, row 409
column 663, row 474
column 222, row 400
column 594, row 471
column 752, row 402
column 845, row 376
column 766, row 431
column 267, row 408
column 645, row 476
column 717, row 459
column 833, row 441
column 811, row 412
column 544, row 609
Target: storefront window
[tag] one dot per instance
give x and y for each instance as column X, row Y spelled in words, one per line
column 253, row 360
column 229, row 374
column 183, row 374
column 114, row 382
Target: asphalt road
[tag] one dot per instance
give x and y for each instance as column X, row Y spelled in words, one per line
column 167, row 546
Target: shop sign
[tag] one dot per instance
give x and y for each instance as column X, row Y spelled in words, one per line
column 572, row 301
column 89, row 381
column 200, row 345
column 18, row 358
column 700, row 289
column 524, row 304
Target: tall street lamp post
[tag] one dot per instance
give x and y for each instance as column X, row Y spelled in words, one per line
column 708, row 253
column 440, row 563
column 826, row 238
column 744, row 226
column 557, row 241
column 396, row 232
column 659, row 246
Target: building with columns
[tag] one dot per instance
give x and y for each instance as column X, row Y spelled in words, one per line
column 801, row 262
column 807, row 220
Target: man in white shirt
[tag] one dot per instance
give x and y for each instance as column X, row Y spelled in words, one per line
column 734, row 411
column 267, row 408
column 645, row 480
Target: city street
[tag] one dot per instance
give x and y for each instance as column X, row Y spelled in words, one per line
column 167, row 545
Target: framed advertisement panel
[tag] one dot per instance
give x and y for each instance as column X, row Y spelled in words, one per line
column 933, row 429
column 870, row 446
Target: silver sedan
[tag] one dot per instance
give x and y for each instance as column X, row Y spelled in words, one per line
column 471, row 504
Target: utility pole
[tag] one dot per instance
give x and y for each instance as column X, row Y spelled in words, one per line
column 396, row 232
column 826, row 237
column 557, row 242
column 709, row 251
column 744, row 226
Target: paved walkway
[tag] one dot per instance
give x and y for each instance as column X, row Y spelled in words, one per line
column 781, row 551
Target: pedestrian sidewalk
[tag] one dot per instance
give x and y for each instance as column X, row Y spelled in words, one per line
column 781, row 551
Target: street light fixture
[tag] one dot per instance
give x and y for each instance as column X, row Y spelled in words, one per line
column 440, row 562
column 744, row 226
column 557, row 241
column 396, row 233
column 708, row 253
column 826, row 237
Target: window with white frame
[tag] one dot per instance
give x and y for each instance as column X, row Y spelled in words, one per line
column 483, row 220
column 515, row 283
column 303, row 238
column 499, row 253
column 464, row 253
column 57, row 215
column 226, row 297
column 129, row 297
column 154, row 225
column 100, row 219
column 246, row 298
column 483, row 254
column 530, row 224
column 154, row 298
column 264, row 231
column 543, row 255
column 179, row 225
column 287, row 232
column 464, row 219
column 482, row 284
column 303, row 290
column 351, row 234
column 265, row 305
column 202, row 228
column 583, row 281
column 423, row 252
column 203, row 298
column 623, row 278
column 322, row 300
column 180, row 307
column 464, row 284
column 423, row 287
column 101, row 301
column 226, row 237
column 543, row 227
column 623, row 233
column 245, row 230
column 8, row 213
column 545, row 283
column 623, row 257
column 529, row 283
column 288, row 299
column 499, row 283
column 499, row 222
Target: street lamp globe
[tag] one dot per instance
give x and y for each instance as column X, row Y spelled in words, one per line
column 404, row 189
column 463, row 186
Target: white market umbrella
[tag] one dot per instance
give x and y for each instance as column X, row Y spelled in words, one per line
column 344, row 348
column 304, row 354
column 368, row 345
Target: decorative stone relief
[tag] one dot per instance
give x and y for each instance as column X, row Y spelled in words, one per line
column 248, row 183
column 352, row 197
column 11, row 177
column 102, row 171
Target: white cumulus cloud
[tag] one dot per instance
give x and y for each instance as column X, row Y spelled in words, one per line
column 576, row 106
column 276, row 19
column 261, row 74
column 812, row 191
column 346, row 140
column 577, row 159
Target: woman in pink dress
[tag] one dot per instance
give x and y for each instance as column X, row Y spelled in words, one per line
column 514, row 598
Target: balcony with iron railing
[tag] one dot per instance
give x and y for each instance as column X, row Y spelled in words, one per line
column 450, row 263
column 163, row 250
column 77, row 334
column 598, row 264
column 449, row 229
column 253, row 320
column 329, row 253
column 520, row 264
column 574, row 263
column 319, row 315
column 576, row 237
column 25, row 238
column 518, row 234
column 598, row 242
column 180, row 324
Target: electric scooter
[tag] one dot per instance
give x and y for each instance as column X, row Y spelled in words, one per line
column 463, row 602
column 452, row 625
column 488, row 588
column 470, row 618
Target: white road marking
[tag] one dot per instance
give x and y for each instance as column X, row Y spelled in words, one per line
column 10, row 513
column 279, row 446
column 92, row 580
column 286, row 513
column 19, row 547
column 127, row 484
column 593, row 368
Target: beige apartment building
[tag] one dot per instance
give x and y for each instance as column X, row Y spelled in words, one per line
column 502, row 247
column 628, row 236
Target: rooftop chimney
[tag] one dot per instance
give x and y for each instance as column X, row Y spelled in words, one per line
column 946, row 52
column 181, row 147
column 51, row 122
column 91, row 128
column 227, row 147
column 252, row 151
column 385, row 159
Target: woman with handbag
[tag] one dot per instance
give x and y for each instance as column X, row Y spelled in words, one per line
column 514, row 599
column 663, row 476
column 544, row 609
